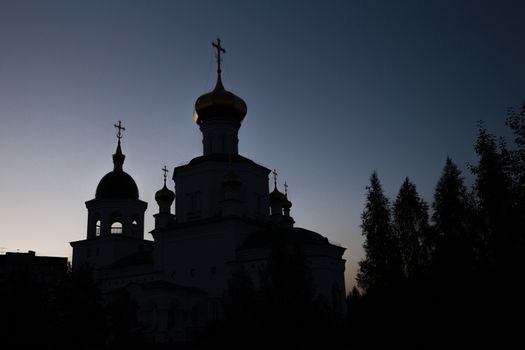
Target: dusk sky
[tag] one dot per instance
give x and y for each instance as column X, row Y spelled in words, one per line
column 335, row 90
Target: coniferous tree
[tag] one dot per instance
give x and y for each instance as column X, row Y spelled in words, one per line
column 452, row 208
column 495, row 200
column 411, row 228
column 381, row 268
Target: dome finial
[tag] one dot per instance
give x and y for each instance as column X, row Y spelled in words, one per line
column 118, row 157
column 220, row 49
column 285, row 189
column 165, row 171
column 274, row 172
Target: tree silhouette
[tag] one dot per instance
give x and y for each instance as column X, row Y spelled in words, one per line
column 412, row 229
column 454, row 246
column 381, row 268
column 493, row 189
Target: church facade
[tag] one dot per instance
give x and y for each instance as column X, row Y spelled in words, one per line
column 226, row 220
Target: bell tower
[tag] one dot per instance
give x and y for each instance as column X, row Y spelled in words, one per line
column 115, row 216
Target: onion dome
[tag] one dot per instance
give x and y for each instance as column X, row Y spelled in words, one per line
column 231, row 179
column 219, row 103
column 165, row 194
column 117, row 184
column 277, row 197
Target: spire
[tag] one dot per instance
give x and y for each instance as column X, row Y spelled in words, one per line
column 118, row 157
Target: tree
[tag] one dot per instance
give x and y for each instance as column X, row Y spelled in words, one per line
column 493, row 189
column 452, row 215
column 516, row 121
column 381, row 268
column 411, row 228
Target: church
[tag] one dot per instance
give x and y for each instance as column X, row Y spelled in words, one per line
column 228, row 217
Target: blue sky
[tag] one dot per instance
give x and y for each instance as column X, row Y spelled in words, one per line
column 335, row 90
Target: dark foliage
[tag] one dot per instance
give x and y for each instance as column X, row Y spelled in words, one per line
column 411, row 229
column 464, row 281
column 382, row 266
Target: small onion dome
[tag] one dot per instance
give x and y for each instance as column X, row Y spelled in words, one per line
column 219, row 103
column 164, row 195
column 232, row 179
column 277, row 197
column 287, row 204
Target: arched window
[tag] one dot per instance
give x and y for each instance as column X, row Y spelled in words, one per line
column 116, row 228
column 97, row 228
column 116, row 223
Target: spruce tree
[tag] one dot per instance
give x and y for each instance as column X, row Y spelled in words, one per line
column 381, row 268
column 411, row 228
column 453, row 250
column 495, row 200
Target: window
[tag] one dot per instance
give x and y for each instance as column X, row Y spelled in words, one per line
column 135, row 225
column 97, row 228
column 213, row 270
column 116, row 223
column 192, row 273
column 116, row 228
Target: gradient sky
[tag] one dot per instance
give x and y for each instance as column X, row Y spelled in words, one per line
column 335, row 90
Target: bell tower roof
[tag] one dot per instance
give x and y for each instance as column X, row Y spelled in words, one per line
column 117, row 184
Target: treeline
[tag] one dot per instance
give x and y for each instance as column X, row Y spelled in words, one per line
column 454, row 269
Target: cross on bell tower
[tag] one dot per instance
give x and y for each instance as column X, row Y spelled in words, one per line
column 118, row 157
column 119, row 128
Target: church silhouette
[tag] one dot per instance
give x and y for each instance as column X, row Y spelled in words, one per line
column 226, row 221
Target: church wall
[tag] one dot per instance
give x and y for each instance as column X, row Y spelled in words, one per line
column 103, row 251
column 199, row 255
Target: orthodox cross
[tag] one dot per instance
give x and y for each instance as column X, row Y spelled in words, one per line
column 285, row 189
column 274, row 172
column 165, row 171
column 120, row 129
column 219, row 50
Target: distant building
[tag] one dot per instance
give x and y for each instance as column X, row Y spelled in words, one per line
column 226, row 219
column 47, row 270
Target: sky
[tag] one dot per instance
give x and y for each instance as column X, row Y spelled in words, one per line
column 335, row 90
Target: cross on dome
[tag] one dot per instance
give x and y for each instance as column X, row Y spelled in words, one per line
column 220, row 49
column 165, row 171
